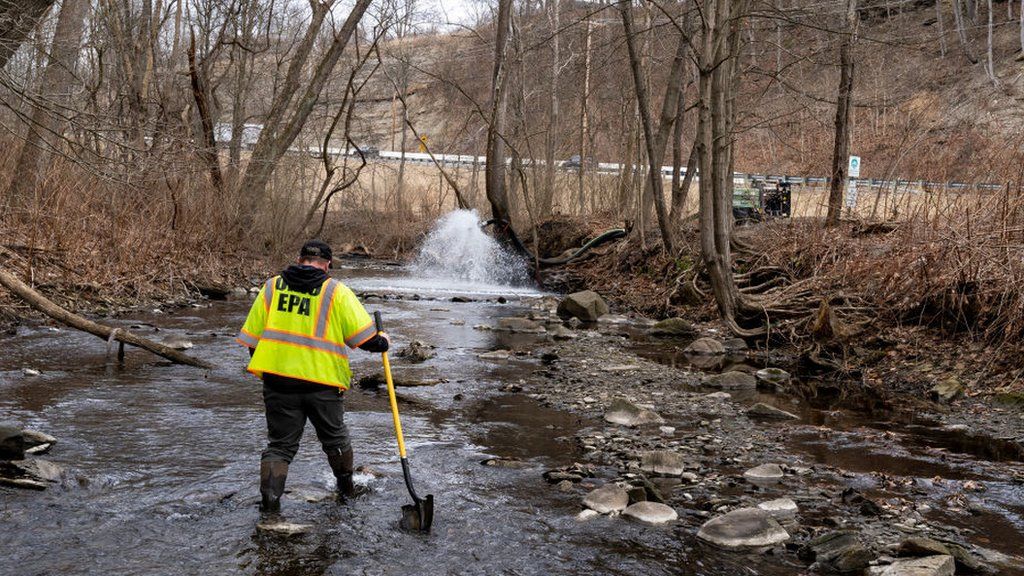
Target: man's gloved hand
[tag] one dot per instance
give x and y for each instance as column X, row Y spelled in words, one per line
column 379, row 343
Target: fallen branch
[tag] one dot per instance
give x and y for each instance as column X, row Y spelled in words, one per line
column 44, row 305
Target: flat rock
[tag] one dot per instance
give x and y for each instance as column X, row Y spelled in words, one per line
column 496, row 355
column 283, row 528
column 519, row 326
column 732, row 380
column 12, row 442
column 705, row 346
column 839, row 551
column 662, row 463
column 673, row 327
column 559, row 332
column 178, row 343
column 764, row 474
column 587, row 306
column 762, row 410
column 718, row 396
column 780, row 508
column 919, row 546
column 745, row 528
column 774, row 376
column 927, row 566
column 35, row 438
column 650, row 513
column 587, row 514
column 607, row 499
column 626, row 413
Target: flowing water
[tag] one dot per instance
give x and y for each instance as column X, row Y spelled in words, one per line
column 162, row 459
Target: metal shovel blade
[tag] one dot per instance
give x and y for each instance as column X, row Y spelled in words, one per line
column 418, row 517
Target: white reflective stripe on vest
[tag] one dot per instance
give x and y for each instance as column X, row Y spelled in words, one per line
column 268, row 294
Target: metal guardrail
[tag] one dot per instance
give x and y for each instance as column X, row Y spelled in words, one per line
column 611, row 167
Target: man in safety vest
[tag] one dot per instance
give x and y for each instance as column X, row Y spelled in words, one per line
column 298, row 333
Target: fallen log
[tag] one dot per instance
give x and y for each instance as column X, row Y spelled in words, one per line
column 46, row 306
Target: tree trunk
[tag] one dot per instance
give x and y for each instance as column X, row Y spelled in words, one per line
column 990, row 69
column 942, row 28
column 494, row 171
column 46, row 306
column 656, row 141
column 961, row 31
column 721, row 26
column 47, row 125
column 844, row 98
column 17, row 20
column 279, row 131
column 584, row 113
column 200, row 93
column 547, row 198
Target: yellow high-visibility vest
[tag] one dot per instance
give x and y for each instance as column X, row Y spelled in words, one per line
column 305, row 336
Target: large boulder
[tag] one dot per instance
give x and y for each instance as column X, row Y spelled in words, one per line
column 673, row 328
column 662, row 463
column 732, row 380
column 650, row 513
column 607, row 499
column 927, row 566
column 837, row 552
column 12, row 442
column 588, row 306
column 705, row 346
column 626, row 413
column 743, row 529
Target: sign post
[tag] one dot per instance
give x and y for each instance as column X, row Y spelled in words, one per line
column 852, row 173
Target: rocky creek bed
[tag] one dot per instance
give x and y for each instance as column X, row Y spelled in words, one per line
column 754, row 477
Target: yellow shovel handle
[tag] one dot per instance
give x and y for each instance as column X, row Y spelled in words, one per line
column 394, row 405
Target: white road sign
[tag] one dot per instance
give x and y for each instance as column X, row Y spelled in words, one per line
column 854, row 170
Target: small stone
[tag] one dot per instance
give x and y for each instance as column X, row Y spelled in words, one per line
column 565, row 486
column 607, row 499
column 762, row 410
column 673, row 328
column 780, row 508
column 587, row 515
column 559, row 332
column 718, row 396
column 732, row 380
column 744, row 528
column 705, row 346
column 650, row 513
column 417, row 351
column 496, row 355
column 30, row 372
column 283, row 528
column 735, row 345
column 626, row 413
column 666, row 430
column 773, row 376
column 177, row 343
column 662, row 463
column 765, row 474
column 840, row 551
column 519, row 326
column 928, row 566
column 947, row 390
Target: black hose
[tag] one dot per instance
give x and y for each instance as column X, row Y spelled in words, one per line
column 606, row 236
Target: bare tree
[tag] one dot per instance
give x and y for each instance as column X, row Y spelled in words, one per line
column 51, row 107
column 844, row 99
column 494, row 171
column 961, row 31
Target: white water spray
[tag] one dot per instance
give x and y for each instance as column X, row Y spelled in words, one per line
column 457, row 249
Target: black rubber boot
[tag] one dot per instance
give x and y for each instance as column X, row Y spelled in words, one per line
column 341, row 462
column 273, row 474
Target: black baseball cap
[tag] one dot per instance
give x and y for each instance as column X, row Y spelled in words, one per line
column 316, row 249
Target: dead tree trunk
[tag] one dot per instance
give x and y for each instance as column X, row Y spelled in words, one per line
column 47, row 124
column 990, row 69
column 841, row 147
column 293, row 104
column 547, row 198
column 44, row 305
column 200, row 93
column 494, row 171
